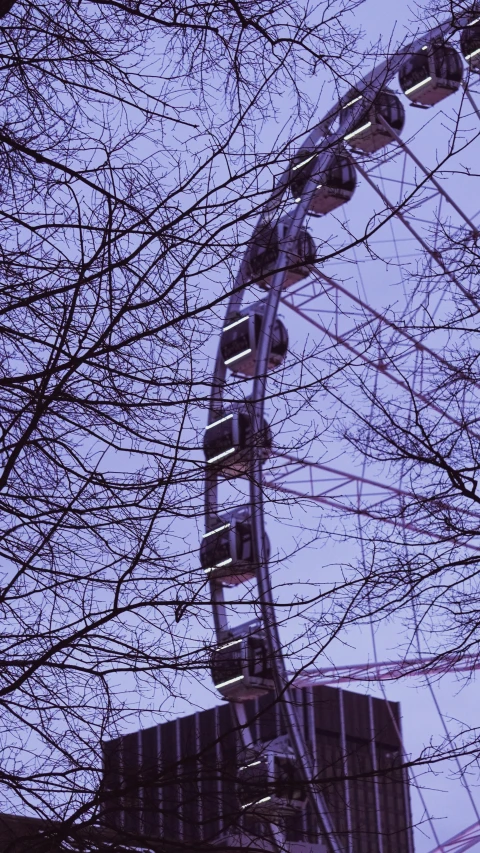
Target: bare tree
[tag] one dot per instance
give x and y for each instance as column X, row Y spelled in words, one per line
column 130, row 163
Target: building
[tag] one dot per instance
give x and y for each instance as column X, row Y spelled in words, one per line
column 23, row 834
column 178, row 780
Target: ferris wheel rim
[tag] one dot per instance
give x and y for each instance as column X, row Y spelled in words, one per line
column 370, row 85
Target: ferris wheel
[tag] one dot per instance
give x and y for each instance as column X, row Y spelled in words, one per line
column 383, row 213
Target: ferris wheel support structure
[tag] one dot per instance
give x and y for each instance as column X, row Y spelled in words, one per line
column 322, row 142
column 463, row 841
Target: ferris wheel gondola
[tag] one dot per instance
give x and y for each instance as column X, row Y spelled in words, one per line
column 241, row 669
column 271, row 251
column 269, row 782
column 227, row 550
column 334, row 184
column 369, row 133
column 431, row 74
column 229, row 440
column 240, row 338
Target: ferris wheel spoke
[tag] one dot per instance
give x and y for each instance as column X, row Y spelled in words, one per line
column 390, row 670
column 316, row 472
column 430, row 174
column 299, row 304
column 312, row 475
column 460, row 843
column 379, row 365
column 435, row 255
column 349, row 509
column 305, row 297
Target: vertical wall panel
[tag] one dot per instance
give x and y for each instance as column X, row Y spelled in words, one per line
column 330, row 774
column 364, row 819
column 387, row 722
column 150, row 781
column 309, row 828
column 327, row 714
column 394, row 802
column 394, row 807
column 180, row 778
column 330, row 755
column 209, row 774
column 188, row 778
column 361, row 771
column 199, row 834
column 229, row 761
column 131, row 782
column 379, row 822
column 348, row 836
column 357, row 716
column 268, row 724
column 169, row 767
column 408, row 846
column 112, row 810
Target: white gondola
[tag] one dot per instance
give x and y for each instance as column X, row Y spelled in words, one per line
column 265, row 249
column 269, row 782
column 470, row 43
column 369, row 134
column 431, row 74
column 226, row 551
column 240, row 665
column 230, row 439
column 335, row 185
column 240, row 337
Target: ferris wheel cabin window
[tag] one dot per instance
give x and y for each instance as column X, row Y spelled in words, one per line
column 229, row 442
column 470, row 44
column 334, row 186
column 266, row 250
column 431, row 74
column 370, row 130
column 240, row 668
column 240, row 338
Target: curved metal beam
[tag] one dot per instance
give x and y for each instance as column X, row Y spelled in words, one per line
column 374, row 672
